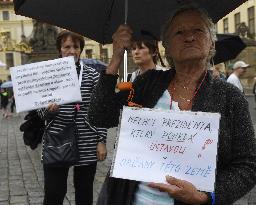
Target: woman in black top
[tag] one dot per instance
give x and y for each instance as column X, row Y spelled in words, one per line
column 189, row 42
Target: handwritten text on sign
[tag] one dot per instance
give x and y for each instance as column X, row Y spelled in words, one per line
column 159, row 143
column 38, row 84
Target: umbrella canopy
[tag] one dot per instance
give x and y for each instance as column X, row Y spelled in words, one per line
column 7, row 84
column 2, row 64
column 99, row 19
column 97, row 64
column 227, row 47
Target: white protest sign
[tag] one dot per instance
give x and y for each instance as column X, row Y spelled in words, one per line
column 38, row 84
column 154, row 143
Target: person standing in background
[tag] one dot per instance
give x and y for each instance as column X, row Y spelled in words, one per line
column 4, row 102
column 239, row 70
column 12, row 103
column 145, row 54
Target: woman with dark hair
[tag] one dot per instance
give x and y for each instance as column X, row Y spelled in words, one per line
column 91, row 140
column 189, row 41
column 145, row 54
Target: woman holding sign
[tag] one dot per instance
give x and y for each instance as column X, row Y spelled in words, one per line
column 91, row 140
column 188, row 38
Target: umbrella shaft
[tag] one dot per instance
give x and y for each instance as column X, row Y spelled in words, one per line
column 125, row 11
column 125, row 66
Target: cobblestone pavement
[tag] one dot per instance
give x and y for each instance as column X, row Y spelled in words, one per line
column 21, row 175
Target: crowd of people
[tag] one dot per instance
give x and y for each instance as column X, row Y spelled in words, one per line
column 189, row 84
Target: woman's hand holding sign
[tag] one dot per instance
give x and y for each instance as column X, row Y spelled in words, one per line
column 53, row 107
column 181, row 190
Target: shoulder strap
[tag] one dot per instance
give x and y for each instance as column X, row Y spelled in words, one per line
column 76, row 108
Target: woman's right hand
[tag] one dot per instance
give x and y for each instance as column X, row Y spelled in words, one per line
column 181, row 190
column 122, row 39
column 53, row 107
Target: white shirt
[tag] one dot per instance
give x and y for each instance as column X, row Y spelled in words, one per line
column 233, row 79
column 146, row 195
column 137, row 72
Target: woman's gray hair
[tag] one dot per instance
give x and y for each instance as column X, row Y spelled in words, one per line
column 208, row 21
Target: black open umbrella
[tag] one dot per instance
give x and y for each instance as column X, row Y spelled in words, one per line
column 227, row 46
column 99, row 19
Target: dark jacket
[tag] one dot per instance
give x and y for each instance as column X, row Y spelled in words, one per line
column 33, row 129
column 236, row 165
column 4, row 99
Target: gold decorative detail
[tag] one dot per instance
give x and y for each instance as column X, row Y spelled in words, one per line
column 8, row 44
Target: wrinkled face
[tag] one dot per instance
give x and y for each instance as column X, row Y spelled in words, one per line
column 70, row 48
column 188, row 38
column 141, row 55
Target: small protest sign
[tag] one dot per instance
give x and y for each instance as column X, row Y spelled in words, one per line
column 38, row 84
column 154, row 143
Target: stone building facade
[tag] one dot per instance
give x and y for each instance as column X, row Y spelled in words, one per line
column 242, row 21
column 13, row 30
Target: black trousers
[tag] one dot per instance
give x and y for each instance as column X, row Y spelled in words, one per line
column 12, row 105
column 55, row 184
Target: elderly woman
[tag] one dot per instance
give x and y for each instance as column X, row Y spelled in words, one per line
column 91, row 140
column 189, row 42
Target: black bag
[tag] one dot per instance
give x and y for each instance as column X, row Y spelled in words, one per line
column 33, row 129
column 60, row 149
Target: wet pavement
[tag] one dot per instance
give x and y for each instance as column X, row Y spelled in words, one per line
column 21, row 174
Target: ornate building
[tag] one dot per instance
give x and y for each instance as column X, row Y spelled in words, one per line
column 13, row 32
column 241, row 22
